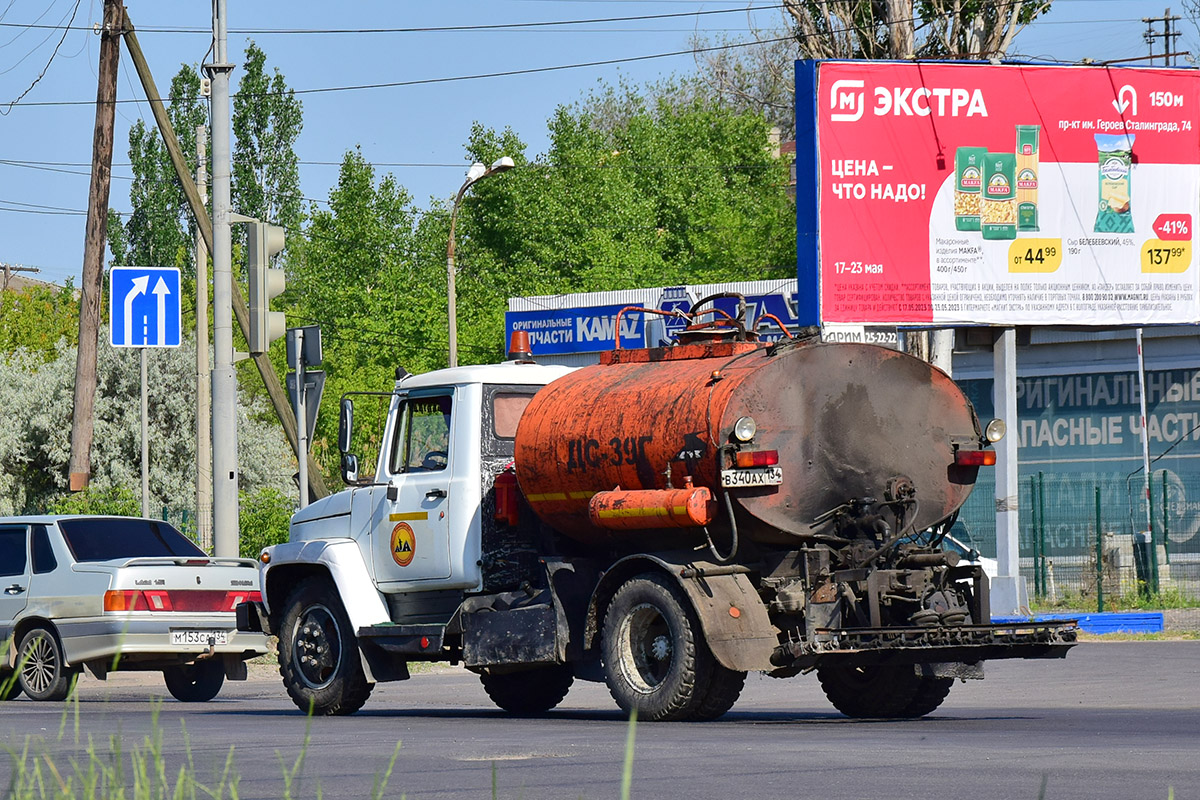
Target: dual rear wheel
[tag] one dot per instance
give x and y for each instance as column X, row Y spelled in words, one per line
column 656, row 661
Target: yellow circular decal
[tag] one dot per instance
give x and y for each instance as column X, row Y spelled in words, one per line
column 404, row 544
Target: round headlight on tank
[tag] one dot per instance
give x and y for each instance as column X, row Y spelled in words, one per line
column 995, row 430
column 745, row 429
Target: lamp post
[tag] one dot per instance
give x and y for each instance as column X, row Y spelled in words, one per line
column 476, row 173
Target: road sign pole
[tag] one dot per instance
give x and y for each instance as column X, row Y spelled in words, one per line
column 145, row 439
column 224, row 406
column 301, row 419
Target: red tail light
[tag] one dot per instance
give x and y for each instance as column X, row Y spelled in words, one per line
column 184, row 600
column 124, row 600
column 757, row 458
column 975, row 458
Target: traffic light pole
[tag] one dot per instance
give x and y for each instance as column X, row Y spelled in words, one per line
column 275, row 390
column 224, row 381
column 301, row 419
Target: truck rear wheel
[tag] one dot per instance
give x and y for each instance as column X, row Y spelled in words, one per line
column 529, row 691
column 318, row 654
column 195, row 683
column 887, row 692
column 930, row 694
column 655, row 657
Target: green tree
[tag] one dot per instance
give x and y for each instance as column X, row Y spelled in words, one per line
column 160, row 230
column 38, row 319
column 265, row 176
column 267, row 120
column 660, row 195
column 39, row 393
column 362, row 280
column 263, row 518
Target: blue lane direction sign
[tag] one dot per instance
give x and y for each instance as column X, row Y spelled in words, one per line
column 145, row 309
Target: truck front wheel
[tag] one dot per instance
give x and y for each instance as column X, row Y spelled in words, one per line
column 318, row 655
column 655, row 658
column 529, row 691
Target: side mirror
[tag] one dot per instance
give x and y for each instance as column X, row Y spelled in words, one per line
column 345, row 425
column 349, row 468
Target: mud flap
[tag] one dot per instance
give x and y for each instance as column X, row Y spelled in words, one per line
column 734, row 618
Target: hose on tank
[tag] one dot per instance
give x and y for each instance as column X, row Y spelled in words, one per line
column 733, row 546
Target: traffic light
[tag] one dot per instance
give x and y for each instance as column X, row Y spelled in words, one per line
column 262, row 242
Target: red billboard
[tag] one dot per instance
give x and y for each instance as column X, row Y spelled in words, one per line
column 983, row 194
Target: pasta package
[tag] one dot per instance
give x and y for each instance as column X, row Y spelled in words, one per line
column 998, row 211
column 968, row 184
column 1115, row 155
column 1027, row 177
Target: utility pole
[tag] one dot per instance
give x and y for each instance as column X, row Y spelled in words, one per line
column 9, row 269
column 224, row 380
column 1169, row 33
column 93, row 248
column 241, row 312
column 204, row 530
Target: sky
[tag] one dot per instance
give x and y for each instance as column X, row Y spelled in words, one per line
column 417, row 132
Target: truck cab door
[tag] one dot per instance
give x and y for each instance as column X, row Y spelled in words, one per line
column 14, row 576
column 410, row 527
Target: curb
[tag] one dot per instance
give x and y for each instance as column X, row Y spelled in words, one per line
column 1101, row 623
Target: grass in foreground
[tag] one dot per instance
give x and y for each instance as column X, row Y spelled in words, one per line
column 105, row 771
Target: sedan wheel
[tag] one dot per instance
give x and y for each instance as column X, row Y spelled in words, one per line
column 43, row 673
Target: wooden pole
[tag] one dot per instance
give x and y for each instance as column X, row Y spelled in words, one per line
column 95, row 237
column 275, row 390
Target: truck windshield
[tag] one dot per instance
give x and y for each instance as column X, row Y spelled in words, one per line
column 108, row 539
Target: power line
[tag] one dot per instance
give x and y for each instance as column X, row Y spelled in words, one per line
column 499, row 26
column 50, row 61
column 505, row 73
column 456, row 78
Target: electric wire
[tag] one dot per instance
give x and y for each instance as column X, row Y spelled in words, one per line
column 49, row 61
column 421, row 29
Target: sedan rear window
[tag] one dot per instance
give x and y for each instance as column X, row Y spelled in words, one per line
column 110, row 539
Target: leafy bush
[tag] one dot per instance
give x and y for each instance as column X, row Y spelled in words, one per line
column 111, row 499
column 263, row 519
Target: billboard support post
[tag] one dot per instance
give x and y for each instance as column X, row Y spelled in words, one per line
column 1009, row 594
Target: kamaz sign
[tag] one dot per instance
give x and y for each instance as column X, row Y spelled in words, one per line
column 577, row 330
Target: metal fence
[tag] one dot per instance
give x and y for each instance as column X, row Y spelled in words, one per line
column 1087, row 540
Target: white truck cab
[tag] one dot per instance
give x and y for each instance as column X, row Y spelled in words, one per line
column 417, row 520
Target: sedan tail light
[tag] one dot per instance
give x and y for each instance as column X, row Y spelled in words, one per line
column 184, row 600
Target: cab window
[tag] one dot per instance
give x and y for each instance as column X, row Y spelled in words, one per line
column 507, row 409
column 422, row 439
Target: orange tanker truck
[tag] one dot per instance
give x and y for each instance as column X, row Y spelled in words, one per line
column 665, row 521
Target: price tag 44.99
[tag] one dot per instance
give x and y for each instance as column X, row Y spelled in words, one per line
column 1035, row 255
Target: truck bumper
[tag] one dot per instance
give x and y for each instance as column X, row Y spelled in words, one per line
column 928, row 645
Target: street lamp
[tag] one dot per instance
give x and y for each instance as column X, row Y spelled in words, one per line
column 476, row 173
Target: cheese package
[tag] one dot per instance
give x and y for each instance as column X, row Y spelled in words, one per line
column 1115, row 155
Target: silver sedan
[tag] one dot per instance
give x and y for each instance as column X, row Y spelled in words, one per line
column 118, row 593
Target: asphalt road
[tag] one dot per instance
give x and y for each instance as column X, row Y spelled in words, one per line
column 1113, row 720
